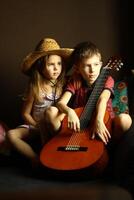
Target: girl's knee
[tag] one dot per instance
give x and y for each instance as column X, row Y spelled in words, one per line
column 10, row 135
column 53, row 118
column 14, row 134
column 51, row 113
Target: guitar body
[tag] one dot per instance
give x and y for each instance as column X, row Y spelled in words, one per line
column 69, row 150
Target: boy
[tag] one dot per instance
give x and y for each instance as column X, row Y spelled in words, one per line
column 87, row 64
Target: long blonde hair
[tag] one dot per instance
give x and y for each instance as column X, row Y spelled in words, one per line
column 37, row 78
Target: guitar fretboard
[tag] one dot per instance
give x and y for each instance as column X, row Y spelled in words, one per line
column 91, row 103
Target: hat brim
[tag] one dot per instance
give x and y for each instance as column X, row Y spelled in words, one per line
column 32, row 57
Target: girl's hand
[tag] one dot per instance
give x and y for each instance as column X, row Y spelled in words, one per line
column 73, row 120
column 101, row 130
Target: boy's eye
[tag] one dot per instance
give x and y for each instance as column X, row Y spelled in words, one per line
column 59, row 63
column 96, row 64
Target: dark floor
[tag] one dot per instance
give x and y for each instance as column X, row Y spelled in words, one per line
column 18, row 181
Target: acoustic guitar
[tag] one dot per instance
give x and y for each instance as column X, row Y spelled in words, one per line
column 70, row 150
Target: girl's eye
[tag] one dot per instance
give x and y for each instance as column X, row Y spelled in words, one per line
column 49, row 64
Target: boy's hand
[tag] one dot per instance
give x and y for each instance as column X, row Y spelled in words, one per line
column 101, row 130
column 73, row 120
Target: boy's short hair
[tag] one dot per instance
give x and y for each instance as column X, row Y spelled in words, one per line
column 84, row 50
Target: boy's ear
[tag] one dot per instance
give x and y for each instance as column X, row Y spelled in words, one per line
column 101, row 63
column 73, row 70
column 75, row 67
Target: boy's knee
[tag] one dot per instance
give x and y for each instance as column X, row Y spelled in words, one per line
column 124, row 121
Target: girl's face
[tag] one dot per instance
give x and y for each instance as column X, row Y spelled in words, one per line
column 89, row 68
column 53, row 67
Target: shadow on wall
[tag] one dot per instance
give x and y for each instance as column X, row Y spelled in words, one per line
column 12, row 88
column 24, row 23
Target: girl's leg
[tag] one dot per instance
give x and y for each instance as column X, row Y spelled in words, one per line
column 51, row 123
column 54, row 118
column 121, row 124
column 16, row 138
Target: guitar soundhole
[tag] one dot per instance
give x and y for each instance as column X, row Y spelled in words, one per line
column 72, row 148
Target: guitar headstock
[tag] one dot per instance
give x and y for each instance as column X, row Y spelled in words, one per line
column 114, row 63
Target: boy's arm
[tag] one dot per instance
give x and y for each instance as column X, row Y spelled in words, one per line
column 99, row 126
column 102, row 104
column 73, row 120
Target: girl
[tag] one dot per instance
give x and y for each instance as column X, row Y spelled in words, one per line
column 86, row 60
column 46, row 71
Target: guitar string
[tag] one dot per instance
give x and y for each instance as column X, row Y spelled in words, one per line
column 74, row 141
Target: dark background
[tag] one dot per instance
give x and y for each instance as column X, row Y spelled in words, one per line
column 23, row 24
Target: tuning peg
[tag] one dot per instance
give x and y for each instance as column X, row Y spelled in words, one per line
column 117, row 69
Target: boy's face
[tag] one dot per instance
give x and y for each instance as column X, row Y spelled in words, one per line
column 90, row 68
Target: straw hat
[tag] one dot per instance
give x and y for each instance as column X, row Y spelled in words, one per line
column 46, row 46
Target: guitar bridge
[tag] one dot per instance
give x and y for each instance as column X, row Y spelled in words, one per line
column 72, row 148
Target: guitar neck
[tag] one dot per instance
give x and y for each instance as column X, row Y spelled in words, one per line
column 91, row 103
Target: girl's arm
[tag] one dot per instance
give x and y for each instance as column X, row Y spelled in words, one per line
column 27, row 110
column 99, row 126
column 73, row 120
